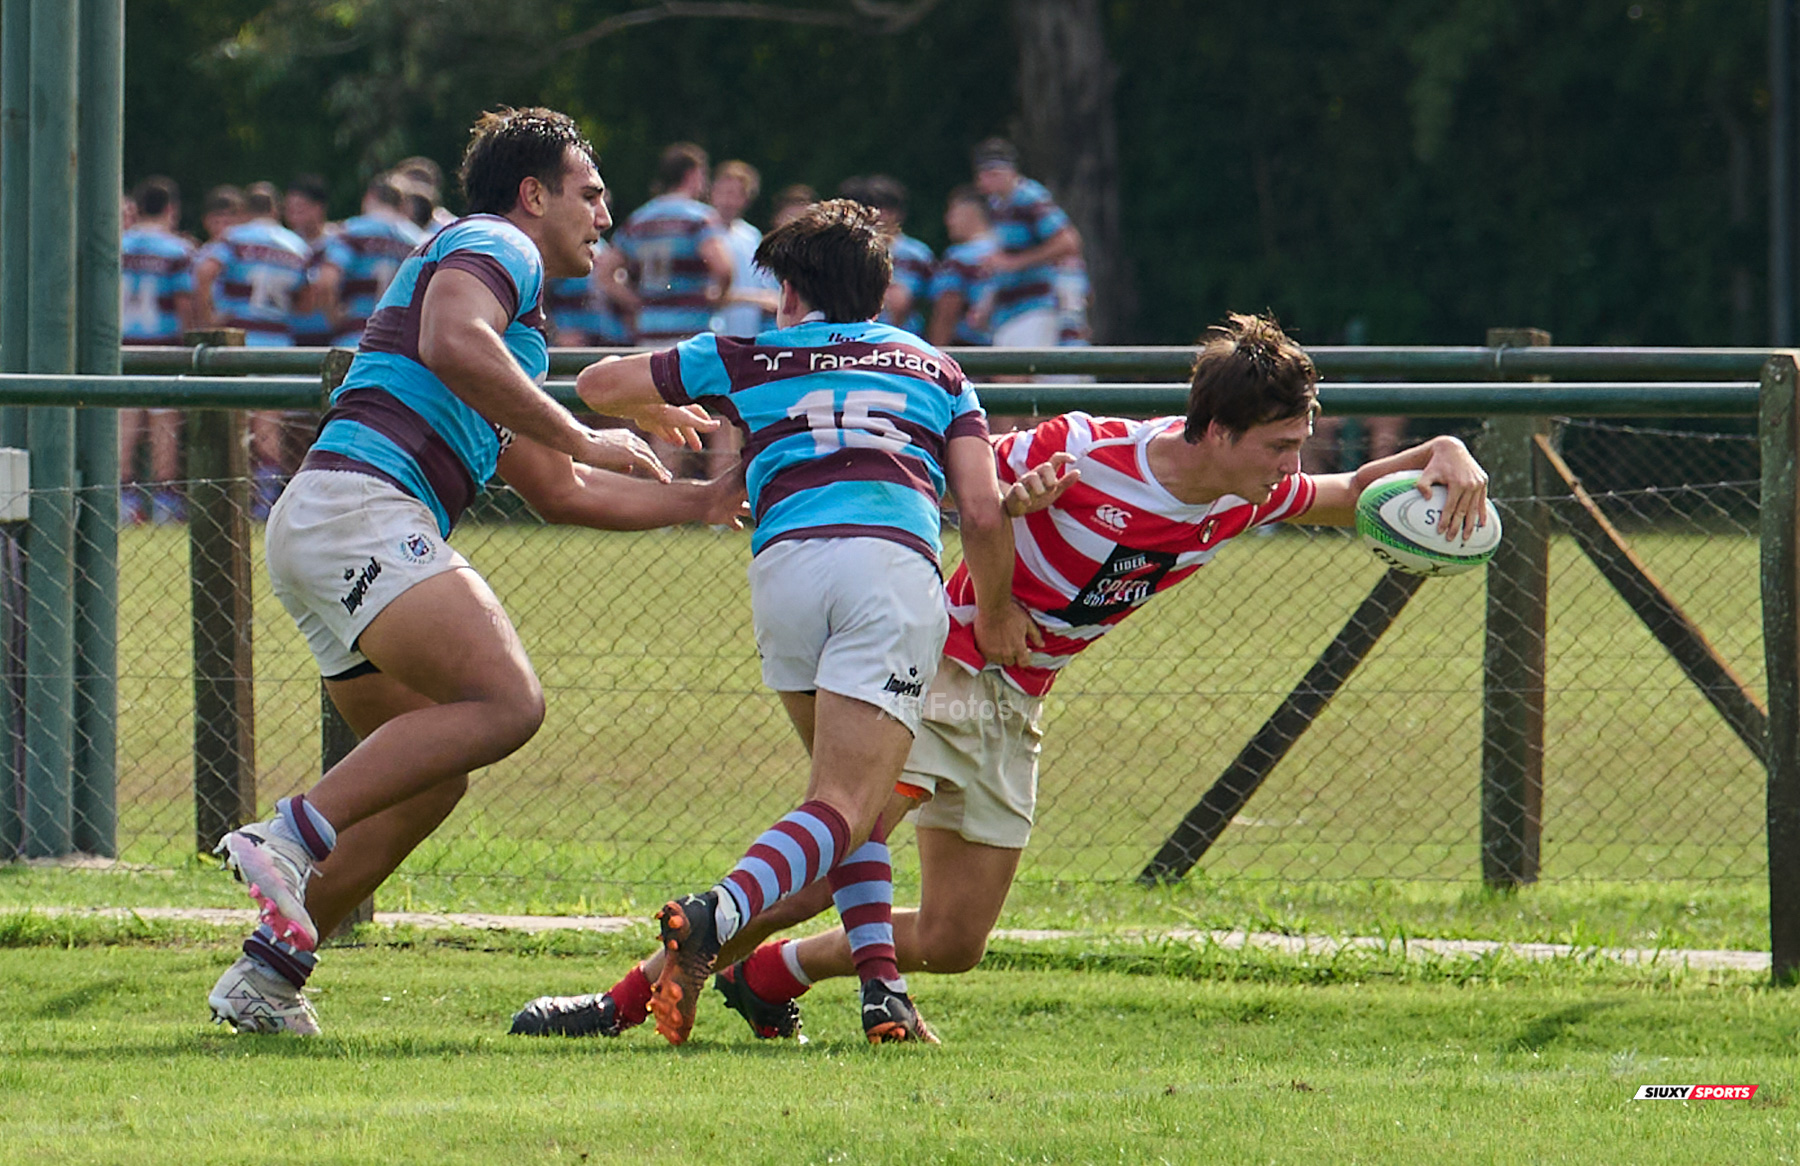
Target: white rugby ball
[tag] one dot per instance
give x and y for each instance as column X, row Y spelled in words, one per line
column 1399, row 525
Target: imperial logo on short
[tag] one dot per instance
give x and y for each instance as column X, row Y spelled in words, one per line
column 1695, row 1093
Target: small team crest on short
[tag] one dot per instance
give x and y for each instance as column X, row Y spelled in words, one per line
column 1207, row 529
column 416, row 548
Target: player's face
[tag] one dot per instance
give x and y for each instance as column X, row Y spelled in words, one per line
column 574, row 219
column 729, row 198
column 996, row 180
column 1262, row 455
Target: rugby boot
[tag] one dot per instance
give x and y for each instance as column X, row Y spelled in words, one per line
column 889, row 1016
column 276, row 871
column 250, row 998
column 690, row 940
column 767, row 1020
column 594, row 1015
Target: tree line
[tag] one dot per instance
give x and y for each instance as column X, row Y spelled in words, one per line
column 1387, row 171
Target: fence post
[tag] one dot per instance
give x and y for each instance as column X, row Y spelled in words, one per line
column 50, row 435
column 95, row 765
column 336, row 738
column 15, row 508
column 1781, row 654
column 1518, row 590
column 219, row 579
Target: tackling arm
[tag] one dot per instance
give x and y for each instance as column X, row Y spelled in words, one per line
column 1003, row 632
column 564, row 492
column 460, row 340
column 622, row 386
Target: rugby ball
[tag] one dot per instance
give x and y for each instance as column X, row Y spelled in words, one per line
column 1399, row 525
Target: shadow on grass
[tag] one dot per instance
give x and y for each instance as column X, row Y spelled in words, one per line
column 1547, row 1030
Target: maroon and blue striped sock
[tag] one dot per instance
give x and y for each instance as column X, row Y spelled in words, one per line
column 281, row 958
column 789, row 855
column 297, row 819
column 862, row 887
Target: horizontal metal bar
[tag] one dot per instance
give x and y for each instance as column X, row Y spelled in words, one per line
column 1162, row 363
column 1454, row 399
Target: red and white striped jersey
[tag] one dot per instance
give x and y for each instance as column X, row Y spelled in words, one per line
column 1113, row 540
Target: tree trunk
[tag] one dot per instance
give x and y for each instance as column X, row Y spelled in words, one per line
column 1069, row 142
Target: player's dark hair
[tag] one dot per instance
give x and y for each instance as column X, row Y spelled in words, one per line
column 261, row 198
column 1248, row 373
column 835, row 256
column 884, row 192
column 386, row 191
column 994, row 152
column 154, row 195
column 799, row 194
column 310, row 186
column 507, row 146
column 972, row 196
column 226, row 198
column 677, row 162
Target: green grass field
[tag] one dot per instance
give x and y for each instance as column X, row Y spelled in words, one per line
column 1112, row 1053
column 661, row 744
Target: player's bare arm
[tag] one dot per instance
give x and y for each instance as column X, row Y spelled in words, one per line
column 1062, row 245
column 946, row 311
column 1039, row 487
column 206, row 273
column 621, row 386
column 1003, row 631
column 717, row 257
column 564, row 492
column 1444, row 461
column 461, row 341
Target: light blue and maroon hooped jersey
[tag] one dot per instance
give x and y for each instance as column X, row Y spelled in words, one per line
column 262, row 265
column 580, row 305
column 959, row 271
column 368, row 251
column 154, row 267
column 846, row 425
column 393, row 417
column 913, row 261
column 661, row 244
column 1022, row 220
column 312, row 328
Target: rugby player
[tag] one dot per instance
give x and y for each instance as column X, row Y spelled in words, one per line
column 853, row 428
column 417, row 653
column 1140, row 506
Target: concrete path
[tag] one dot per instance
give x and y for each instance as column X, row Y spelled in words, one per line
column 1319, row 945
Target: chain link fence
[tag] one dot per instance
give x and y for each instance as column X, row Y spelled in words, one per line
column 662, row 754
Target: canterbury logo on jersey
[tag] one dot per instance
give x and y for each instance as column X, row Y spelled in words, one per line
column 1112, row 516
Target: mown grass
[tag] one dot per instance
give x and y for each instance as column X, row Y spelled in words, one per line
column 1090, row 1056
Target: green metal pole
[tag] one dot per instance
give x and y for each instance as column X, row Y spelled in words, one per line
column 50, row 436
column 100, row 177
column 15, row 73
column 15, row 202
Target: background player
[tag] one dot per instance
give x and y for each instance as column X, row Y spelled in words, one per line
column 156, row 305
column 853, row 428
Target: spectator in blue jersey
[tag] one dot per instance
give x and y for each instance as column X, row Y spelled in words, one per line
column 674, row 252
column 254, row 277
column 1034, row 235
column 582, row 312
column 222, row 210
column 156, row 303
column 415, row 650
column 749, row 305
column 304, row 208
column 961, row 295
column 362, row 258
column 853, row 429
column 904, row 304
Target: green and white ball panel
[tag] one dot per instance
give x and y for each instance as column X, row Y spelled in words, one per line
column 1399, row 525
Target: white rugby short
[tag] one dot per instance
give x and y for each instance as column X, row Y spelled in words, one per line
column 861, row 617
column 977, row 754
column 342, row 546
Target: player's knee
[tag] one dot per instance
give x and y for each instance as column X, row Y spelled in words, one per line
column 950, row 952
column 517, row 717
